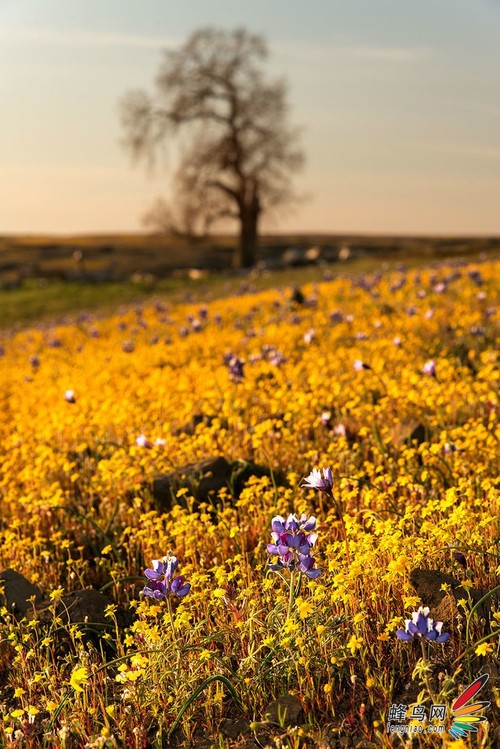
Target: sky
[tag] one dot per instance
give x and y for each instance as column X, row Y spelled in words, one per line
column 398, row 101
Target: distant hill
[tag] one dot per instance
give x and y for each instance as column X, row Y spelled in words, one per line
column 118, row 257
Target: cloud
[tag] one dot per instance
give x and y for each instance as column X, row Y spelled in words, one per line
column 72, row 37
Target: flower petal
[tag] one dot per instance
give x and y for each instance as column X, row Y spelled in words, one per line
column 313, row 574
column 278, row 524
column 152, row 574
column 402, row 635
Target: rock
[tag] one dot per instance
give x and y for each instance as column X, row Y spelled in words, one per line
column 190, row 426
column 232, row 728
column 15, row 592
column 447, row 610
column 243, row 470
column 297, row 297
column 202, row 479
column 294, row 256
column 205, row 478
column 286, row 711
column 85, row 607
column 427, row 584
column 407, row 432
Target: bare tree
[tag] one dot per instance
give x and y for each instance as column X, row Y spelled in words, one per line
column 240, row 152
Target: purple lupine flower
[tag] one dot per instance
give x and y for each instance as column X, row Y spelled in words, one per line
column 421, row 625
column 162, row 581
column 306, row 565
column 321, row 483
column 460, row 558
column 336, row 316
column 179, row 587
column 360, row 365
column 429, row 368
column 156, row 589
column 293, row 523
column 236, row 366
column 293, row 542
column 162, row 568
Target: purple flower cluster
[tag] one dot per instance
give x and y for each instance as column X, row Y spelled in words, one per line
column 421, row 625
column 162, row 581
column 293, row 541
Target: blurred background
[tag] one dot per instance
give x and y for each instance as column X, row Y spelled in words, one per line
column 399, row 103
column 396, row 106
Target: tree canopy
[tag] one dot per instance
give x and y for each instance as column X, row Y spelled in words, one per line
column 238, row 151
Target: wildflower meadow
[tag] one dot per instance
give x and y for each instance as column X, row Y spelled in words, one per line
column 267, row 520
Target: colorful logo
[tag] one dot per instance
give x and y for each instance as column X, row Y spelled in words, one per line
column 467, row 717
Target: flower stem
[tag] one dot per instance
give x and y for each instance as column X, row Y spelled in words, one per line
column 172, row 625
column 291, row 596
column 427, row 667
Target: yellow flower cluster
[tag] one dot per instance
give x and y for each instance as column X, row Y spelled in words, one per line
column 91, row 411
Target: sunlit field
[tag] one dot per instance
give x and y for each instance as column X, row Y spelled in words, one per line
column 266, row 580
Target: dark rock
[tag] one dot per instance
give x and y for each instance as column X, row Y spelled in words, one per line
column 427, row 584
column 243, row 470
column 87, row 608
column 297, row 297
column 232, row 728
column 286, row 711
column 407, row 432
column 205, row 478
column 447, row 610
column 190, row 426
column 202, row 479
column 15, row 592
column 294, row 256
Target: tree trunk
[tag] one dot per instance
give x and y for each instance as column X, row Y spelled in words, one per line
column 244, row 255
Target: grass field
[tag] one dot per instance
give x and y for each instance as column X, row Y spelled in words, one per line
column 386, row 378
column 41, row 281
